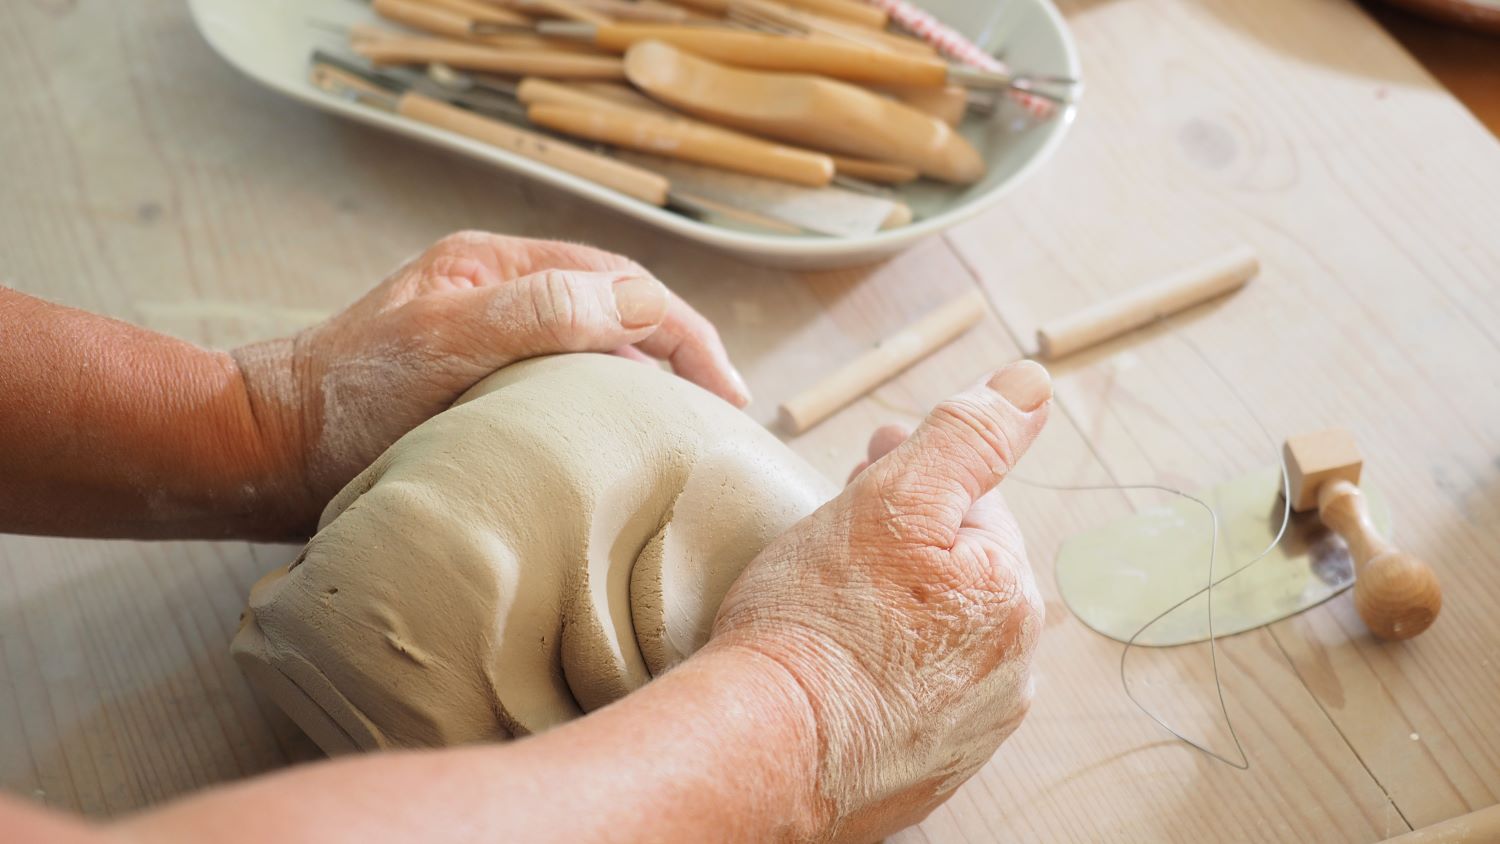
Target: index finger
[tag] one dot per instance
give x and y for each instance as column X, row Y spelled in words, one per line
column 691, row 344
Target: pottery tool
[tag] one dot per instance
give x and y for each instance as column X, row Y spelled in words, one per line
column 1144, row 305
column 702, row 192
column 586, row 115
column 805, row 110
column 622, row 118
column 831, row 210
column 343, row 79
column 1396, row 593
column 1278, row 512
column 779, row 17
column 644, row 11
column 565, row 9
column 948, row 104
column 831, row 58
column 419, row 13
column 1120, row 575
column 340, row 78
column 704, row 143
column 887, row 359
column 524, row 41
column 952, row 43
column 460, row 20
column 556, row 64
column 846, row 10
column 1481, row 826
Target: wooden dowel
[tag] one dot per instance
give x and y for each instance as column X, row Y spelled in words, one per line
column 1147, row 304
column 885, row 361
column 1477, row 827
column 882, row 172
column 631, row 181
column 465, row 56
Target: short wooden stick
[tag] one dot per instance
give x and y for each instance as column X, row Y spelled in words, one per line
column 1478, row 826
column 1177, row 292
column 878, row 365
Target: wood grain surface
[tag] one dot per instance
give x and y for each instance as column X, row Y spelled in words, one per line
column 142, row 178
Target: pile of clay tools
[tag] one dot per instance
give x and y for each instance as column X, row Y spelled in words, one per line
column 790, row 116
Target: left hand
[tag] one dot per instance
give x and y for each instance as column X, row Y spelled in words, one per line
column 332, row 398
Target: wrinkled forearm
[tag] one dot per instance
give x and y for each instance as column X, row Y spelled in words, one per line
column 723, row 748
column 111, row 430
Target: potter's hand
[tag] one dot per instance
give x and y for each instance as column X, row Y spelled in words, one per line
column 339, row 393
column 905, row 610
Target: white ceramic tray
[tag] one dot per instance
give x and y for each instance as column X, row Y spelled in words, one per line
column 271, row 40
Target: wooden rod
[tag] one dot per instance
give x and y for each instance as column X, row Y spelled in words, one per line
column 887, row 359
column 1477, row 827
column 631, row 181
column 467, row 56
column 1177, row 292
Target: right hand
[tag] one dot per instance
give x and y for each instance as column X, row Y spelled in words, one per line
column 905, row 610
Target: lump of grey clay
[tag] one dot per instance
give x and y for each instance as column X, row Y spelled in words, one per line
column 565, row 532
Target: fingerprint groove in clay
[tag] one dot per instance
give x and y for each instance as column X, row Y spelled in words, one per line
column 563, row 533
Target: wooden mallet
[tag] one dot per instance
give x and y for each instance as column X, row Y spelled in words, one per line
column 1395, row 593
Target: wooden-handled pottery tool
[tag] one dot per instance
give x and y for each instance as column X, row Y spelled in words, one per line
column 774, row 16
column 454, row 18
column 688, row 141
column 644, row 125
column 752, row 202
column 883, row 362
column 851, row 11
column 471, row 56
column 1144, row 305
column 1396, row 593
column 830, row 210
column 805, row 110
column 461, row 20
column 1481, row 826
column 826, row 57
column 337, row 77
column 765, row 158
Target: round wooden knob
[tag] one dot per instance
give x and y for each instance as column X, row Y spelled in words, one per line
column 1397, row 595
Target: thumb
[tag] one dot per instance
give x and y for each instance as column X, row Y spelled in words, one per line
column 563, row 311
column 967, row 445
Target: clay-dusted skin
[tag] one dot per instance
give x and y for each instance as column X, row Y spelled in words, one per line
column 562, row 534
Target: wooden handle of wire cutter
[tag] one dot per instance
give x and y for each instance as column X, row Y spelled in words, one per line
column 561, row 65
column 629, row 180
column 850, row 62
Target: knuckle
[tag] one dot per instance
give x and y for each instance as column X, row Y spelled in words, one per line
column 912, row 504
column 556, row 312
column 980, row 428
column 459, row 242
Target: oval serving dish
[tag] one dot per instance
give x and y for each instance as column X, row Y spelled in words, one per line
column 271, row 40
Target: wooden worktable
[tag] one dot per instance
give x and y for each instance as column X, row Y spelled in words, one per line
column 143, row 178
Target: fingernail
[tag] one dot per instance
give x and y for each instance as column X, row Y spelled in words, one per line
column 640, row 301
column 739, row 385
column 1025, row 384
